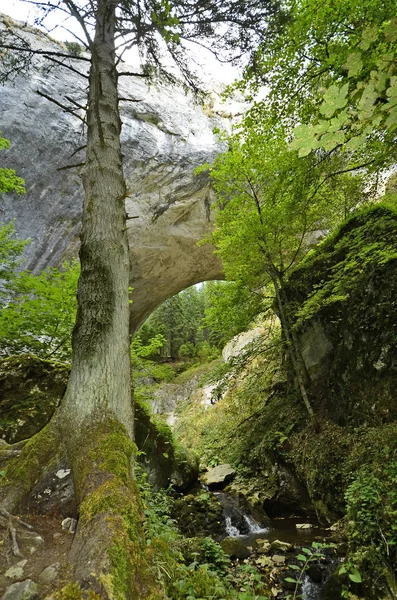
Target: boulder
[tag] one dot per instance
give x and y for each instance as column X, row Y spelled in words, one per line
column 235, row 548
column 218, row 477
column 279, row 546
column 23, row 590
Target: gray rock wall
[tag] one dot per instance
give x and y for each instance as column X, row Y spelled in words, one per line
column 165, row 135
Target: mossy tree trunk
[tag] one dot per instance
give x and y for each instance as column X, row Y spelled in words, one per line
column 96, row 416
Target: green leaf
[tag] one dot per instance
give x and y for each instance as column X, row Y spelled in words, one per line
column 329, row 141
column 390, row 31
column 369, row 36
column 355, row 576
column 290, row 580
column 355, row 142
column 305, row 140
column 354, row 64
column 302, row 557
column 391, row 120
column 335, row 98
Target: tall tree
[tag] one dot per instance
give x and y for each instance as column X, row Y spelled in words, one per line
column 270, row 201
column 95, row 420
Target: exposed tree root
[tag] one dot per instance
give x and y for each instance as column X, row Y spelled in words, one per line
column 10, row 524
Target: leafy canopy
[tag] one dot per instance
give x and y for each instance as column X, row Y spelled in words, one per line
column 331, row 71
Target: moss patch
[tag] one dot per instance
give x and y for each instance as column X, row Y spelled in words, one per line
column 35, row 459
column 110, row 538
column 30, row 390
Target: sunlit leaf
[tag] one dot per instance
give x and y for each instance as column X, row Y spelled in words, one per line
column 334, row 99
column 354, row 64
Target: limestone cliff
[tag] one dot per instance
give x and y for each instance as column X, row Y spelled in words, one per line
column 166, row 134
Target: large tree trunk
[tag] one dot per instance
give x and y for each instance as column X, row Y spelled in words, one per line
column 96, row 417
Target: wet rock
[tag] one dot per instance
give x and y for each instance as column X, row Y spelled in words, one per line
column 218, row 477
column 278, row 559
column 23, row 590
column 303, row 526
column 280, row 546
column 342, row 548
column 235, row 548
column 49, row 574
column 315, row 572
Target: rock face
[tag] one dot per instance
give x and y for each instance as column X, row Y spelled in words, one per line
column 165, row 135
column 348, row 341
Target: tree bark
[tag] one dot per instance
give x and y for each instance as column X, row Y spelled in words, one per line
column 96, row 415
column 100, row 381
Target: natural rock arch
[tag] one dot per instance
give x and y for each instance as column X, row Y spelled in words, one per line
column 165, row 135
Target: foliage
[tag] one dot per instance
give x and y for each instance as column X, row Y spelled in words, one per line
column 362, row 244
column 230, row 307
column 207, row 576
column 306, row 558
column 41, row 312
column 269, row 201
column 180, row 322
column 9, row 181
column 371, row 502
column 331, row 69
column 10, row 257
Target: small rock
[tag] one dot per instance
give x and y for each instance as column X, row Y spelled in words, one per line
column 49, row 574
column 264, row 546
column 62, row 473
column 235, row 547
column 69, row 524
column 22, row 563
column 303, row 525
column 23, row 590
column 57, row 535
column 280, row 546
column 278, row 559
column 14, row 572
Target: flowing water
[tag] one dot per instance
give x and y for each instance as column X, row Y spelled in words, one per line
column 239, row 523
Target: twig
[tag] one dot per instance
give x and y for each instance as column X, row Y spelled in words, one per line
column 8, row 515
column 14, row 544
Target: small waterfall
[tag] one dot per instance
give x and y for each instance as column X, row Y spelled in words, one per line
column 238, row 522
column 231, row 530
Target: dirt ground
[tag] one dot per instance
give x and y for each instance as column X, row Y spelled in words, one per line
column 44, row 545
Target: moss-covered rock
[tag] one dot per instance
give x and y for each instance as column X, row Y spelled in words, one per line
column 165, row 461
column 30, row 390
column 343, row 301
column 199, row 514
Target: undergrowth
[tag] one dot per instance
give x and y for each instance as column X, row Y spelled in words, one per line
column 191, row 568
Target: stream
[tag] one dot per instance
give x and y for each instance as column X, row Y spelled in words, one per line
column 242, row 526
